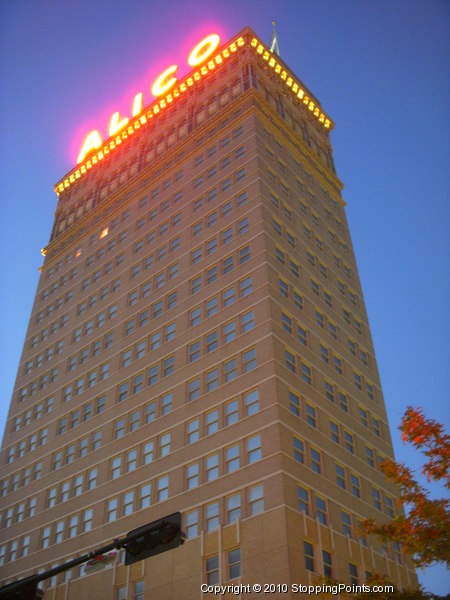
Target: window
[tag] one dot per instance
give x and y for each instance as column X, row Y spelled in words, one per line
column 299, row 450
column 289, row 360
column 87, row 519
column 212, row 380
column 192, row 476
column 315, row 461
column 303, row 499
column 324, row 354
column 376, row 498
column 111, row 510
column 116, row 467
column 196, row 284
column 230, row 370
column 168, row 366
column 340, row 476
column 166, row 404
column 232, row 461
column 327, row 564
column 233, row 506
column 164, row 444
column 229, row 332
column 212, row 467
column 211, row 307
column 308, row 550
column 231, row 412
column 355, row 485
column 294, row 403
column 128, row 503
column 212, row 516
column 343, row 402
column 212, row 570
column 363, row 415
column 212, row 422
column 334, row 431
column 251, row 402
column 389, row 506
column 370, row 457
column 256, row 499
column 244, row 255
column 211, row 275
column 194, row 389
column 375, row 426
column 228, row 296
column 302, row 335
column 311, row 417
column 163, row 488
column 254, row 451
column 119, row 429
column 353, row 572
column 45, row 537
column 193, row 431
column 211, row 342
column 306, row 374
column 92, row 479
column 321, row 510
column 349, row 443
column 191, row 524
column 138, row 590
column 147, row 453
column 234, row 563
column 283, row 288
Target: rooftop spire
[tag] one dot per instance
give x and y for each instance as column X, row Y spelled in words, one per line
column 274, row 41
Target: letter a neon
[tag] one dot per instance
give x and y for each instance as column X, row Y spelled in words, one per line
column 92, row 141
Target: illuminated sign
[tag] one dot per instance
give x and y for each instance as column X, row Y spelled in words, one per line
column 204, row 58
column 162, row 85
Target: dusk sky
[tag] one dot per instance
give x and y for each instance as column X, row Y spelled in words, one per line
column 379, row 68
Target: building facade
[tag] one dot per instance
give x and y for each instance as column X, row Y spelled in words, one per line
column 199, row 343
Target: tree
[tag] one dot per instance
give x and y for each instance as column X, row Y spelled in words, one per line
column 424, row 531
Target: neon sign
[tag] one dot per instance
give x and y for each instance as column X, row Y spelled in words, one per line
column 166, row 89
column 161, row 86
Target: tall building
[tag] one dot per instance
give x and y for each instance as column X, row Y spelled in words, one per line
column 199, row 343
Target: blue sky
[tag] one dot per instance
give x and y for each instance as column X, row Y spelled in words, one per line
column 379, row 68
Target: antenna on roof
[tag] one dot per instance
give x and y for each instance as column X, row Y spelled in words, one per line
column 274, row 47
